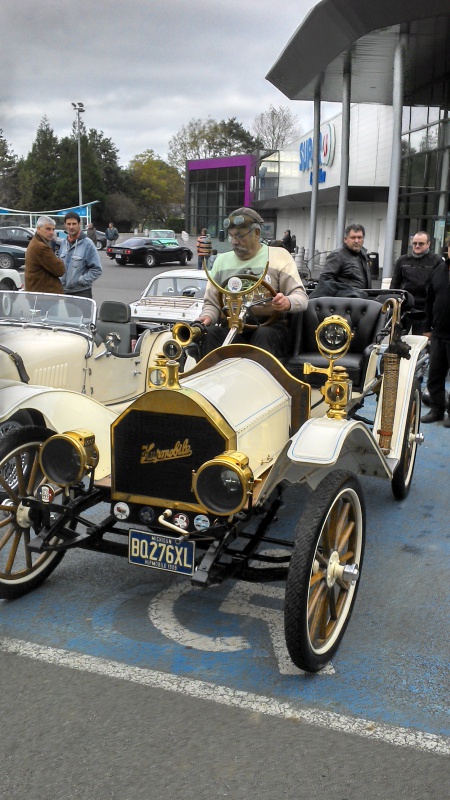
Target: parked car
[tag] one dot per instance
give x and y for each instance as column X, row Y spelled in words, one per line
column 171, row 297
column 101, row 240
column 164, row 236
column 189, row 478
column 151, row 252
column 61, row 341
column 16, row 235
column 11, row 257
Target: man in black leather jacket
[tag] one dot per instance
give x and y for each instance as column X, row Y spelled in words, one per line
column 347, row 271
column 412, row 272
column 437, row 308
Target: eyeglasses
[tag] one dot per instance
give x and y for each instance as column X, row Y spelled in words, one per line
column 419, row 244
column 239, row 235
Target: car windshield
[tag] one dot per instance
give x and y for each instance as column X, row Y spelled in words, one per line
column 134, row 242
column 52, row 310
column 163, row 234
column 173, row 286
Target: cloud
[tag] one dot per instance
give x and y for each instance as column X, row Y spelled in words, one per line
column 142, row 68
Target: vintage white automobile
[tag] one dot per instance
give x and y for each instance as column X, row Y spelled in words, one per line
column 194, row 471
column 60, row 341
column 172, row 296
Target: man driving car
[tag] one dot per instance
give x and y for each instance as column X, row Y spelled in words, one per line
column 244, row 233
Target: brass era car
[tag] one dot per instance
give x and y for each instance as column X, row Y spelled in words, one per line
column 194, row 471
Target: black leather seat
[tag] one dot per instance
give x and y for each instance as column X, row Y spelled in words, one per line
column 365, row 319
column 114, row 319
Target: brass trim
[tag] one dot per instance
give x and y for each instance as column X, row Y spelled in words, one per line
column 83, row 442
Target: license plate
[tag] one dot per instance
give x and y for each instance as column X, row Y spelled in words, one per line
column 161, row 552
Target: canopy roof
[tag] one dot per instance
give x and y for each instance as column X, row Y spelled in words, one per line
column 369, row 29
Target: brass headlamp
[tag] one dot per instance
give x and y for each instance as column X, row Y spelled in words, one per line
column 333, row 337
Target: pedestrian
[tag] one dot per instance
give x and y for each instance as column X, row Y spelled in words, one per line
column 244, row 228
column 112, row 234
column 412, row 273
column 212, row 259
column 80, row 258
column 43, row 269
column 346, row 272
column 91, row 233
column 204, row 247
column 287, row 241
column 437, row 308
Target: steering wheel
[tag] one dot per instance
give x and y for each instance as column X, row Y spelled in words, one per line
column 257, row 294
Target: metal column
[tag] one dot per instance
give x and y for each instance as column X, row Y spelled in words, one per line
column 315, row 177
column 345, row 149
column 394, row 179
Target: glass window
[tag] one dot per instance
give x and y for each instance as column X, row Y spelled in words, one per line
column 419, row 116
column 406, row 115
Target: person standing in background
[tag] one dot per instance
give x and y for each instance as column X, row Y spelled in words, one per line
column 204, row 248
column 80, row 258
column 412, row 273
column 91, row 233
column 43, row 269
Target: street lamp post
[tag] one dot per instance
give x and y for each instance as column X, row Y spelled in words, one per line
column 79, row 109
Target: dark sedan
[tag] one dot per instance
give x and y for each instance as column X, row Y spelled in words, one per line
column 151, row 252
column 16, row 235
column 12, row 257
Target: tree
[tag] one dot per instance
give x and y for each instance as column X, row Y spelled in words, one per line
column 276, row 127
column 8, row 174
column 209, row 139
column 157, row 187
column 107, row 156
column 38, row 171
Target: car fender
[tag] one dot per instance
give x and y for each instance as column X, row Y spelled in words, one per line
column 11, row 275
column 62, row 410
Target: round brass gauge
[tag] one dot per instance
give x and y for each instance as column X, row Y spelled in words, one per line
column 236, row 282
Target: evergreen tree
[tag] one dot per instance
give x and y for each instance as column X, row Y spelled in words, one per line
column 38, row 171
column 8, row 174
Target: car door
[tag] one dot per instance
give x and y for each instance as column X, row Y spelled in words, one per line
column 20, row 237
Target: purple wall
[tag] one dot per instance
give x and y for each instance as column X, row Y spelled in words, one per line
column 247, row 161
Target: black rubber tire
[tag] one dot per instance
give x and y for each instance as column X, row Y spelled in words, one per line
column 120, row 261
column 6, row 261
column 403, row 475
column 150, row 260
column 7, row 285
column 316, row 613
column 183, row 260
column 21, row 571
column 99, row 245
column 18, row 420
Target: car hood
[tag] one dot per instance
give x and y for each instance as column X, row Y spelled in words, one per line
column 50, row 357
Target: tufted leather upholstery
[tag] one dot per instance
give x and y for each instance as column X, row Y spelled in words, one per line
column 365, row 319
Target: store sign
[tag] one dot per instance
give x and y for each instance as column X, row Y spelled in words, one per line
column 326, row 152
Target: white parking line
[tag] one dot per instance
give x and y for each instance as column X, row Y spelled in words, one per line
column 401, row 737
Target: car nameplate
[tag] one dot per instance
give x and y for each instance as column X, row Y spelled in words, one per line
column 158, row 551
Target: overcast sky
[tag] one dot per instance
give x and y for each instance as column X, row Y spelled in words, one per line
column 142, row 68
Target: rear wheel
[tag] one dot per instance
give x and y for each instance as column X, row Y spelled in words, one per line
column 6, row 261
column 20, row 476
column 323, row 573
column 8, row 285
column 120, row 260
column 150, row 260
column 402, row 478
column 99, row 245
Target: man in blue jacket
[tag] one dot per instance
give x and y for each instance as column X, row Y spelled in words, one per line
column 80, row 257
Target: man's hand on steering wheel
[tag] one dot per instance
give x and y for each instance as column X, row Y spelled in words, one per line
column 280, row 302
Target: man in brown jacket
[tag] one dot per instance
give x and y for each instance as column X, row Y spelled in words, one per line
column 43, row 268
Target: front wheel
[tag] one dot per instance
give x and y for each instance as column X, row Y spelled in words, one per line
column 8, row 286
column 402, row 477
column 99, row 245
column 150, row 260
column 6, row 261
column 20, row 476
column 322, row 581
column 183, row 260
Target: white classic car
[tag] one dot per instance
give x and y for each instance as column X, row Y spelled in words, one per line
column 190, row 477
column 172, row 296
column 61, row 341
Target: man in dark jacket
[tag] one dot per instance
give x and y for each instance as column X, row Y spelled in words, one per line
column 437, row 307
column 43, row 269
column 412, row 273
column 347, row 270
